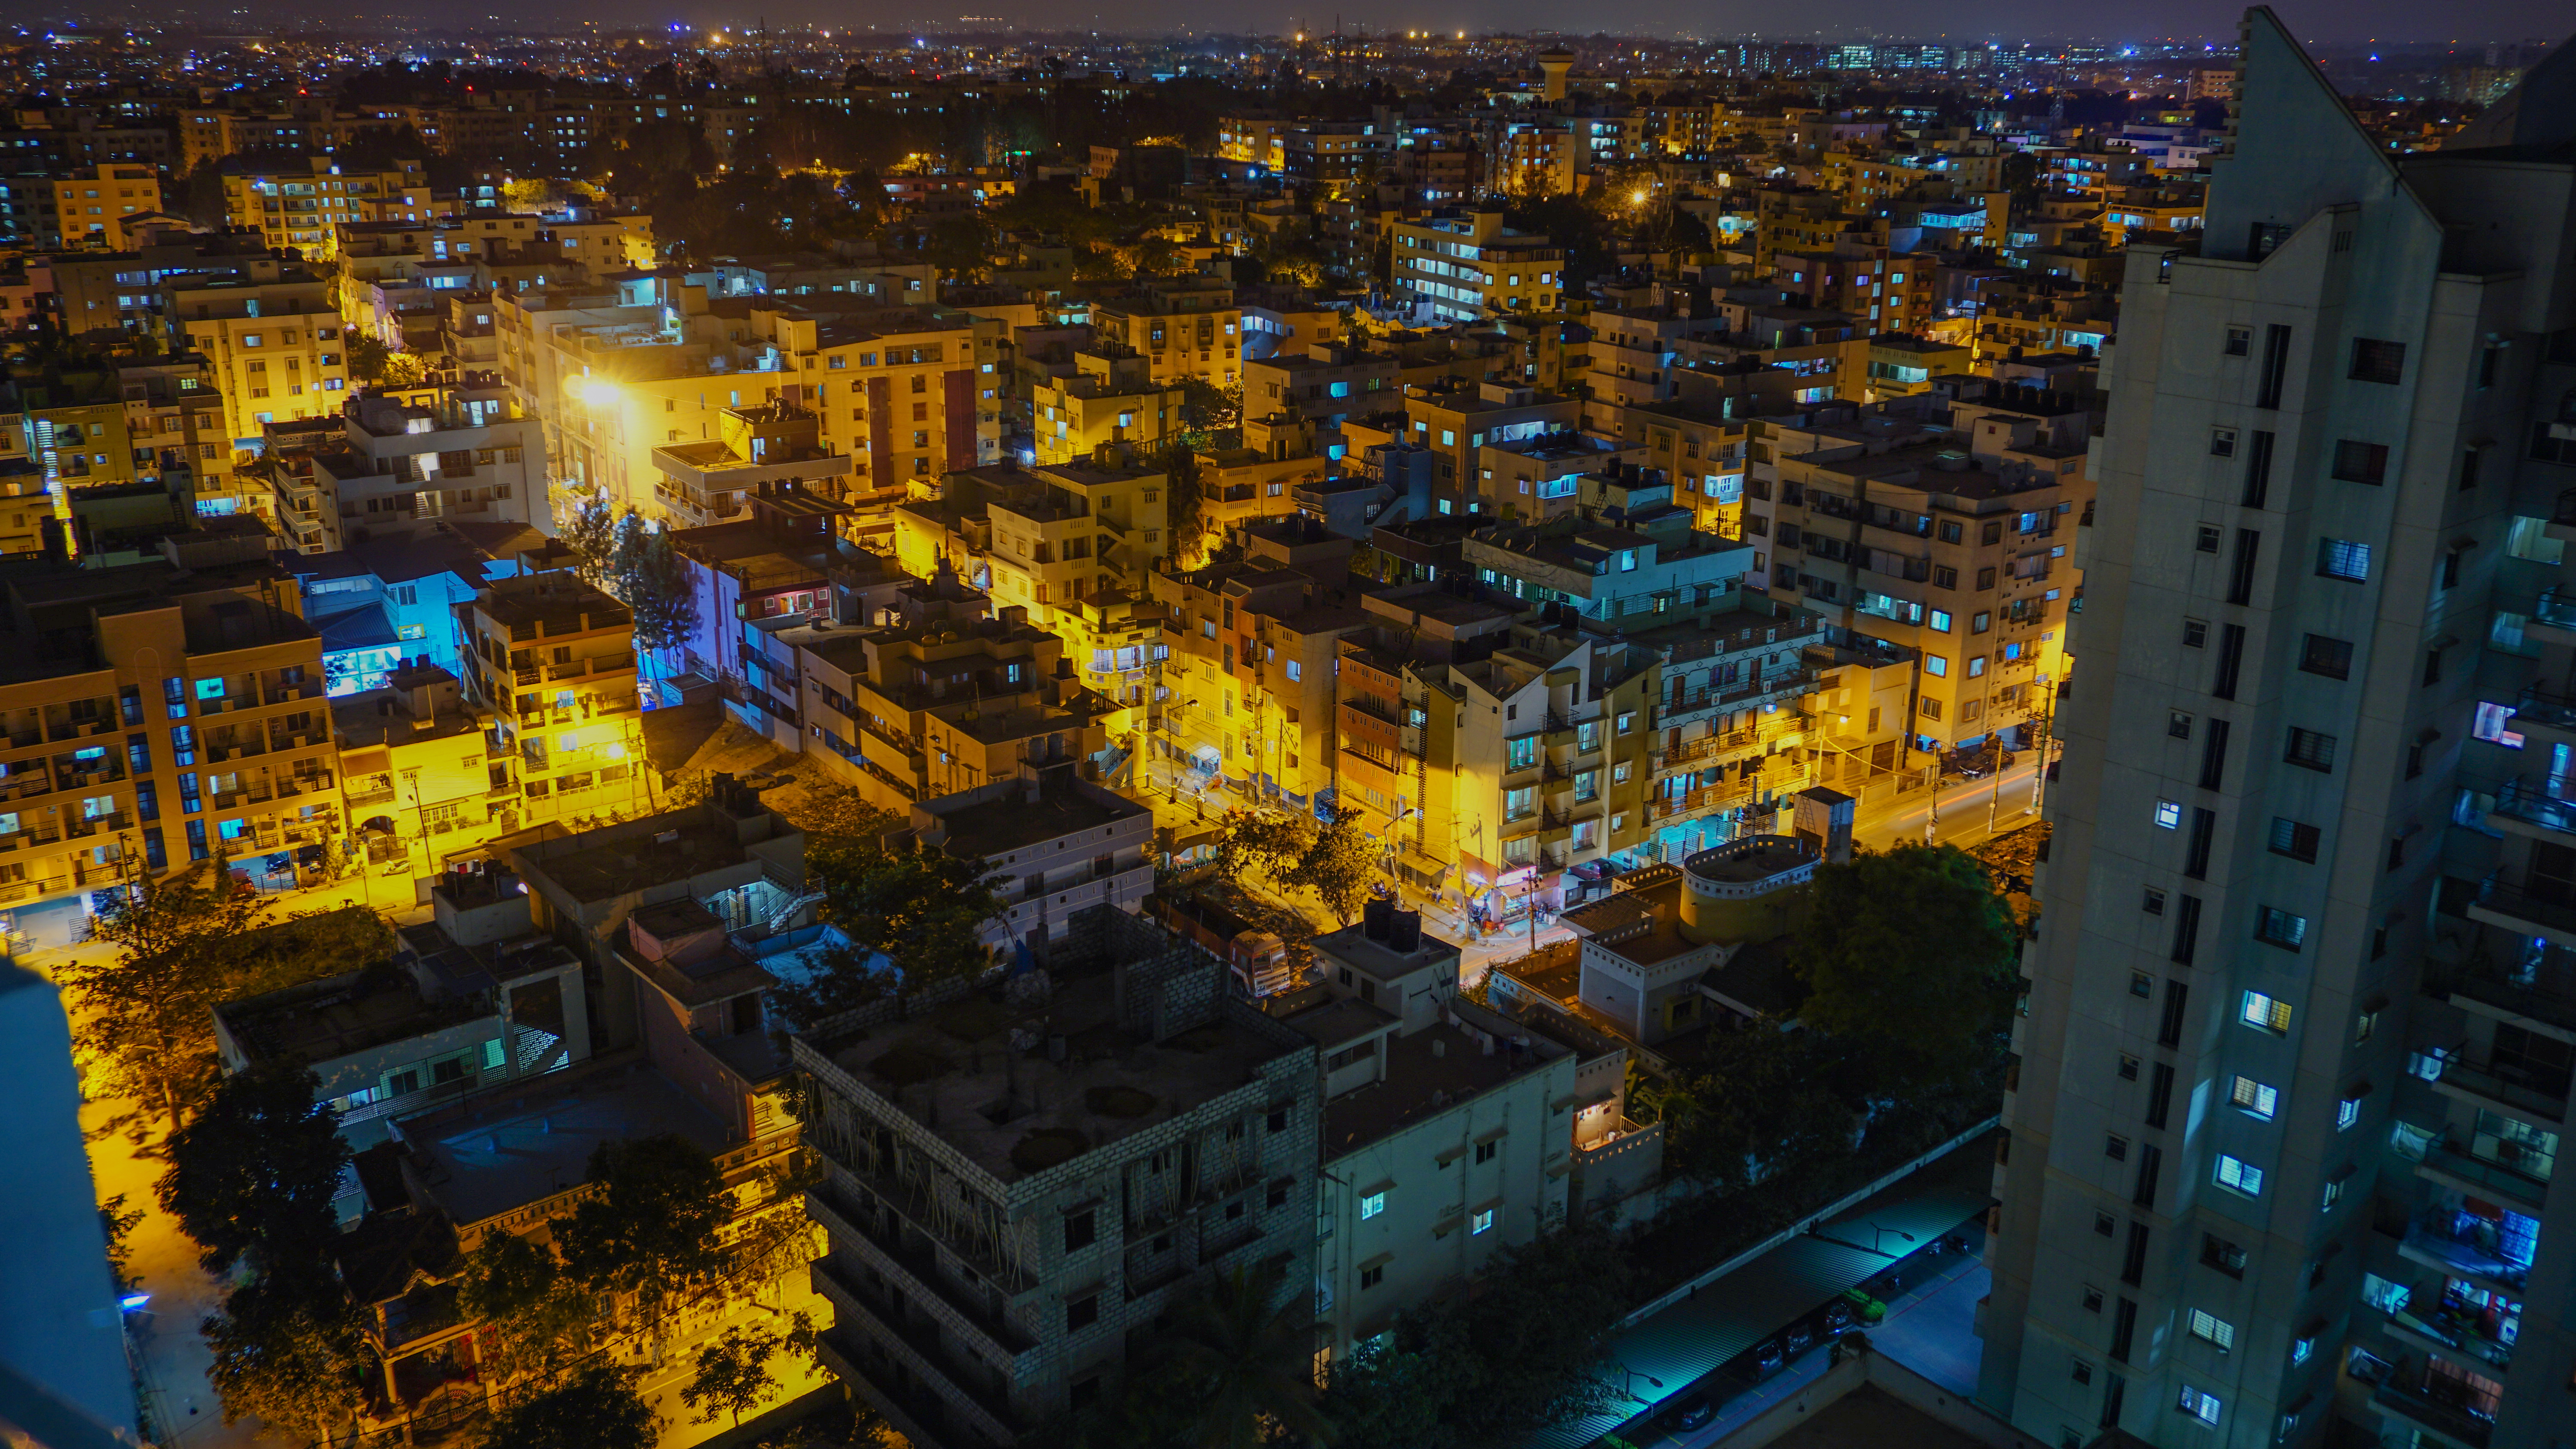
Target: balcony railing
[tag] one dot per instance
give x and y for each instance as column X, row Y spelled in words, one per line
column 2431, row 1236
column 2532, row 805
column 2453, row 1420
column 2541, row 993
column 2452, row 1160
column 2506, row 899
column 2508, row 1083
column 2555, row 608
column 2540, row 706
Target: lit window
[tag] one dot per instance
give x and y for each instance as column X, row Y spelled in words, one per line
column 2168, row 814
column 1372, row 1205
column 2211, row 1329
column 2239, row 1174
column 2265, row 1013
column 1481, row 1222
column 2347, row 1112
column 2203, row 1407
column 2252, row 1096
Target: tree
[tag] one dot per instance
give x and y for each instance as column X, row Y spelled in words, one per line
column 256, row 1171
column 1766, row 1101
column 366, row 356
column 290, row 1356
column 594, row 1407
column 646, row 573
column 201, row 196
column 120, row 1222
column 1340, row 865
column 591, row 534
column 651, row 1229
column 1522, row 1354
column 145, row 1019
column 1911, row 959
column 915, row 916
column 1187, row 509
column 1267, row 842
column 732, row 1374
column 531, row 1319
column 1244, row 1360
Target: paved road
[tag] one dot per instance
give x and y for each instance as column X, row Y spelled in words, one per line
column 1930, row 1329
column 1965, row 808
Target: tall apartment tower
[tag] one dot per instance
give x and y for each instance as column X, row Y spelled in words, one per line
column 2295, row 1065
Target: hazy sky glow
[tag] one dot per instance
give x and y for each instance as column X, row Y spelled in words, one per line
column 2338, row 21
column 2466, row 21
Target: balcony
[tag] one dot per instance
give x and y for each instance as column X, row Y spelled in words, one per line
column 2526, row 913
column 2553, row 617
column 2539, row 708
column 2542, row 991
column 2524, row 809
column 2448, row 1161
column 2513, row 1086
column 915, row 1267
column 957, row 1385
column 2451, row 1421
column 2562, row 520
column 2436, row 1240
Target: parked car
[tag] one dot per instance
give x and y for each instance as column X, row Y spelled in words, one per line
column 1838, row 1315
column 1767, row 1359
column 1691, row 1412
column 1798, row 1340
column 1866, row 1308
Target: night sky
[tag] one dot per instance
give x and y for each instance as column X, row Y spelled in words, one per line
column 2316, row 20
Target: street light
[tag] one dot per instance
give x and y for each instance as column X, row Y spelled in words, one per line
column 1628, row 1385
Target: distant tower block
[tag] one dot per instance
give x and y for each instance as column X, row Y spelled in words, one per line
column 1555, row 64
column 1823, row 819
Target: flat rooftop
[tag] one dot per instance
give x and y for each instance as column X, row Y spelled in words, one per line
column 1016, row 1113
column 614, row 867
column 1753, row 858
column 1352, row 946
column 505, row 1150
column 1432, row 1071
column 1011, row 822
column 1870, row 1417
column 339, row 1015
column 1641, row 924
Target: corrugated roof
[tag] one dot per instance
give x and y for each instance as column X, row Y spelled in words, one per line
column 1754, row 1303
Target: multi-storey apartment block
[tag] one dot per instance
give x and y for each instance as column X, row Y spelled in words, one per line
column 402, row 466
column 1465, row 266
column 1002, row 1221
column 269, row 331
column 1958, row 553
column 553, row 659
column 2295, row 1068
column 157, row 714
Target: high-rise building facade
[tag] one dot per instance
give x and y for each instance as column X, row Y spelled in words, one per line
column 2295, row 1064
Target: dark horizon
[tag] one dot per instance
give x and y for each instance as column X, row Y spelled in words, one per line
column 2474, row 22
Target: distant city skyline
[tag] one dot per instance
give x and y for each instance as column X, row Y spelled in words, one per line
column 2386, row 21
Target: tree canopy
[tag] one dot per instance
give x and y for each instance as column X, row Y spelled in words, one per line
column 645, row 572
column 1910, row 957
column 651, row 1229
column 255, row 1172
column 185, row 943
column 593, row 1407
column 923, row 908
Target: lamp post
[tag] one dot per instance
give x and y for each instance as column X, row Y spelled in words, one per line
column 1628, row 1384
